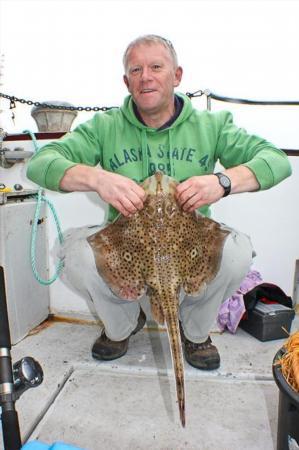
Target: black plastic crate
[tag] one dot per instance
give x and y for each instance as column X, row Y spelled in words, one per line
column 267, row 322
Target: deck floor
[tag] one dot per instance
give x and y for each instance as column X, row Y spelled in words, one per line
column 130, row 403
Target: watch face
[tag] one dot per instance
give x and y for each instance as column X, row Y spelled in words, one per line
column 224, row 181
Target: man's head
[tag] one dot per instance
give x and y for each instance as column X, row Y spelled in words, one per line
column 150, row 39
column 151, row 74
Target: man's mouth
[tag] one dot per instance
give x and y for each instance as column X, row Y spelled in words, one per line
column 147, row 91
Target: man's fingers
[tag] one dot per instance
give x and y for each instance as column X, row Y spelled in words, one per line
column 128, row 205
column 137, row 198
column 198, row 191
column 139, row 191
column 125, row 208
column 193, row 200
column 132, row 201
column 182, row 188
column 120, row 208
column 196, row 205
column 121, row 192
column 184, row 195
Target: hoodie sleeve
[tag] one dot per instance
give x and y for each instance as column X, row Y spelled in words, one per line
column 81, row 146
column 235, row 146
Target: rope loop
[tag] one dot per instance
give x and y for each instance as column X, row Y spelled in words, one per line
column 42, row 198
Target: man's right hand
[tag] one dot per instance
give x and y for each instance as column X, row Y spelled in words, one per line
column 121, row 192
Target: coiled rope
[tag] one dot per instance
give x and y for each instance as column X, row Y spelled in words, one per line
column 41, row 198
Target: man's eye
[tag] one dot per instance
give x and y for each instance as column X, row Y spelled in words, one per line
column 156, row 67
column 135, row 70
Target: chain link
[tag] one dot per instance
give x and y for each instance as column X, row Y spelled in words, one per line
column 198, row 93
column 14, row 99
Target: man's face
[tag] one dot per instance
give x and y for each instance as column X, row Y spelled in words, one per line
column 151, row 78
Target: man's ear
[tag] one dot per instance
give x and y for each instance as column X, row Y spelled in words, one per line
column 178, row 76
column 126, row 81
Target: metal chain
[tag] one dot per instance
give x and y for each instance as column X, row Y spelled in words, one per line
column 199, row 93
column 14, row 99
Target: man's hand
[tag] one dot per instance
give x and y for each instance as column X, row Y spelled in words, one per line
column 205, row 189
column 119, row 191
column 198, row 191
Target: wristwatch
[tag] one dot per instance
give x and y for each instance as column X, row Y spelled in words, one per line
column 224, row 181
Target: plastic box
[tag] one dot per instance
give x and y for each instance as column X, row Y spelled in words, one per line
column 267, row 322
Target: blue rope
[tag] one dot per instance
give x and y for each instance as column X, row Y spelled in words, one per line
column 41, row 198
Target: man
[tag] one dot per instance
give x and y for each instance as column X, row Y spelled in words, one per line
column 156, row 129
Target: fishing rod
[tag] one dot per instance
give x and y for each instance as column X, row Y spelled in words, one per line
column 14, row 380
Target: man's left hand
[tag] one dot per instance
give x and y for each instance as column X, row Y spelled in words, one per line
column 198, row 191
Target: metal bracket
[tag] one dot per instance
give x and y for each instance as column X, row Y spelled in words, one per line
column 9, row 157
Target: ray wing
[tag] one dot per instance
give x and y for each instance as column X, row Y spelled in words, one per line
column 205, row 251
column 118, row 257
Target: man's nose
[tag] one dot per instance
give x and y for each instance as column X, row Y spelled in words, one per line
column 146, row 74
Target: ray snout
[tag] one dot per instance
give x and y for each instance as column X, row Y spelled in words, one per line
column 159, row 183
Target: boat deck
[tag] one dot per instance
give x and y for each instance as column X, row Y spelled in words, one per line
column 130, row 403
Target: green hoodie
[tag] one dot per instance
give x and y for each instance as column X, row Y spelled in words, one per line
column 191, row 146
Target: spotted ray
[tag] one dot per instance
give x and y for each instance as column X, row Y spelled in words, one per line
column 159, row 251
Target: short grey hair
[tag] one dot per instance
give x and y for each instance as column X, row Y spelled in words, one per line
column 151, row 39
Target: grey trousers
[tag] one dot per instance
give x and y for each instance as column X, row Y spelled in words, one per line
column 120, row 317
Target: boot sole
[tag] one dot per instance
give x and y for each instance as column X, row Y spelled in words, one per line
column 209, row 366
column 106, row 358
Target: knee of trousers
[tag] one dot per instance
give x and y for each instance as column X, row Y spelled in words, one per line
column 236, row 257
column 79, row 264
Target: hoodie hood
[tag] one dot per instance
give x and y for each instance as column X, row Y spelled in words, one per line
column 128, row 111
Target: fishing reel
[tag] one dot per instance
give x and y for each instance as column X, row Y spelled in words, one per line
column 27, row 374
column 14, row 381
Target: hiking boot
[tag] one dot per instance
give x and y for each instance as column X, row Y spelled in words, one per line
column 202, row 356
column 105, row 349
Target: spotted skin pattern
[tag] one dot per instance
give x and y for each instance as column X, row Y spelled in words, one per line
column 159, row 251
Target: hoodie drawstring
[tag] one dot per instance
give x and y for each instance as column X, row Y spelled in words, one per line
column 145, row 173
column 171, row 162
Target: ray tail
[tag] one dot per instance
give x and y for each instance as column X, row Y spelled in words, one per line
column 172, row 325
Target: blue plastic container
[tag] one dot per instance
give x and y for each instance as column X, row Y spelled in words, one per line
column 35, row 445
